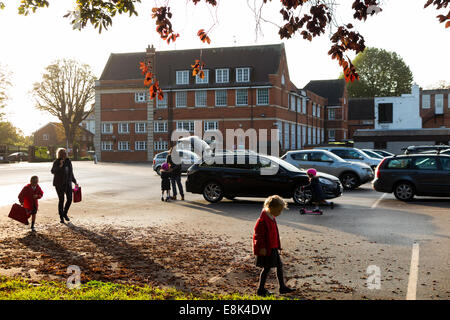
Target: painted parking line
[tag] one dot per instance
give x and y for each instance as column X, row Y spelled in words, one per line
column 375, row 204
column 413, row 273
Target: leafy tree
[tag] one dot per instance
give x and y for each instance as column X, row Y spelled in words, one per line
column 382, row 74
column 67, row 92
column 10, row 135
column 4, row 84
column 308, row 18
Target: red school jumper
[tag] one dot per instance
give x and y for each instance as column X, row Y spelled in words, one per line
column 26, row 196
column 266, row 234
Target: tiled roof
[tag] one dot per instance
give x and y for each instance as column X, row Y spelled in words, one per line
column 263, row 60
column 333, row 89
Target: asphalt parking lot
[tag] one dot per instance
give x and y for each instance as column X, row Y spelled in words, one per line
column 369, row 246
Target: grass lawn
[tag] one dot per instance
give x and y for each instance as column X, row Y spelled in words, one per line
column 20, row 289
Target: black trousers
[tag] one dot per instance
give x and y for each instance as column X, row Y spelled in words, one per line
column 275, row 261
column 176, row 181
column 67, row 192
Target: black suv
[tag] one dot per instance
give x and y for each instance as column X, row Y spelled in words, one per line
column 252, row 175
column 417, row 174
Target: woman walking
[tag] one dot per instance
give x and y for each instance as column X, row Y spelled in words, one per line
column 62, row 181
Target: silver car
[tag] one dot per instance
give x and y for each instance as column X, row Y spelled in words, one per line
column 351, row 174
column 188, row 158
column 353, row 155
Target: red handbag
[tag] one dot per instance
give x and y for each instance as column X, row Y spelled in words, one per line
column 77, row 194
column 19, row 213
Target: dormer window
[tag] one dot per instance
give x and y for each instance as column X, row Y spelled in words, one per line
column 222, row 75
column 205, row 78
column 182, row 77
column 242, row 74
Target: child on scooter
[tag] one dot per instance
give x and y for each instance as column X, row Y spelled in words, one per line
column 316, row 188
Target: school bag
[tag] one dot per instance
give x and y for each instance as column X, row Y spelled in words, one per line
column 19, row 213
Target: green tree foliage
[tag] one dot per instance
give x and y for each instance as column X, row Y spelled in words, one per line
column 10, row 135
column 66, row 92
column 381, row 74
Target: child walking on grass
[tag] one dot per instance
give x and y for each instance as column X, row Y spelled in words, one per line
column 29, row 196
column 266, row 243
column 165, row 181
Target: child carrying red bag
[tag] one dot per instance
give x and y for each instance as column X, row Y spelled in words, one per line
column 29, row 196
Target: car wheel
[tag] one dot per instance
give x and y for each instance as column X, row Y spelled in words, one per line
column 404, row 191
column 158, row 170
column 349, row 181
column 302, row 197
column 213, row 192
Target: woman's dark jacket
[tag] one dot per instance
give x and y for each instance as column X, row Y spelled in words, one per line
column 175, row 168
column 63, row 176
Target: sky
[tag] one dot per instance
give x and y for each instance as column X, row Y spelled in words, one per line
column 30, row 43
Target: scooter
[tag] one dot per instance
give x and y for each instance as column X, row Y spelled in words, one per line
column 304, row 210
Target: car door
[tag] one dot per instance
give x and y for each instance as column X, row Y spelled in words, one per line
column 300, row 159
column 280, row 182
column 427, row 174
column 320, row 161
column 445, row 166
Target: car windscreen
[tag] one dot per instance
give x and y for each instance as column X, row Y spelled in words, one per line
column 283, row 164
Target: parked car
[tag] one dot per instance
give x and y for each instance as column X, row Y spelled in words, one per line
column 418, row 174
column 351, row 174
column 3, row 159
column 382, row 153
column 18, row 156
column 373, row 154
column 188, row 158
column 419, row 149
column 244, row 177
column 354, row 155
column 447, row 151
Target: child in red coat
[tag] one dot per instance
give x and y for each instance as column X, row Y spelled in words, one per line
column 266, row 243
column 29, row 196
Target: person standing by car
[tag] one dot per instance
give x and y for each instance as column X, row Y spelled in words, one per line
column 175, row 176
column 62, row 181
column 266, row 243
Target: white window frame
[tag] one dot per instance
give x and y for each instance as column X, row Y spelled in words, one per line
column 331, row 112
column 331, row 137
column 162, row 104
column 140, row 125
column 140, row 145
column 246, row 96
column 201, row 98
column 120, row 145
column 182, row 77
column 286, row 136
column 160, row 145
column 107, row 145
column 140, row 97
column 120, row 127
column 318, row 111
column 313, row 109
column 304, row 103
column 441, row 100
column 107, row 125
column 158, row 124
column 264, row 97
column 178, row 99
column 207, row 126
column 243, row 74
column 299, row 106
column 222, row 75
column 426, row 102
column 226, row 98
column 292, row 102
column 45, row 137
column 205, row 79
column 181, row 125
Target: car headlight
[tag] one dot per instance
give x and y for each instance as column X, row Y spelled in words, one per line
column 325, row 181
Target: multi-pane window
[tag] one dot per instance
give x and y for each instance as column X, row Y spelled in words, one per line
column 318, row 111
column 242, row 74
column 205, row 79
column 140, row 145
column 299, row 106
column 123, row 128
column 331, row 135
column 222, row 75
column 426, row 101
column 182, row 77
column 241, row 97
column 292, row 102
column 221, row 98
column 181, row 99
column 140, row 97
column 160, row 126
column 107, row 128
column 185, row 126
column 304, row 101
column 124, row 145
column 200, row 98
column 211, row 125
column 162, row 104
column 331, row 114
column 262, row 96
column 107, row 145
column 286, row 135
column 140, row 127
column 160, row 145
column 439, row 103
column 45, row 136
column 314, row 109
